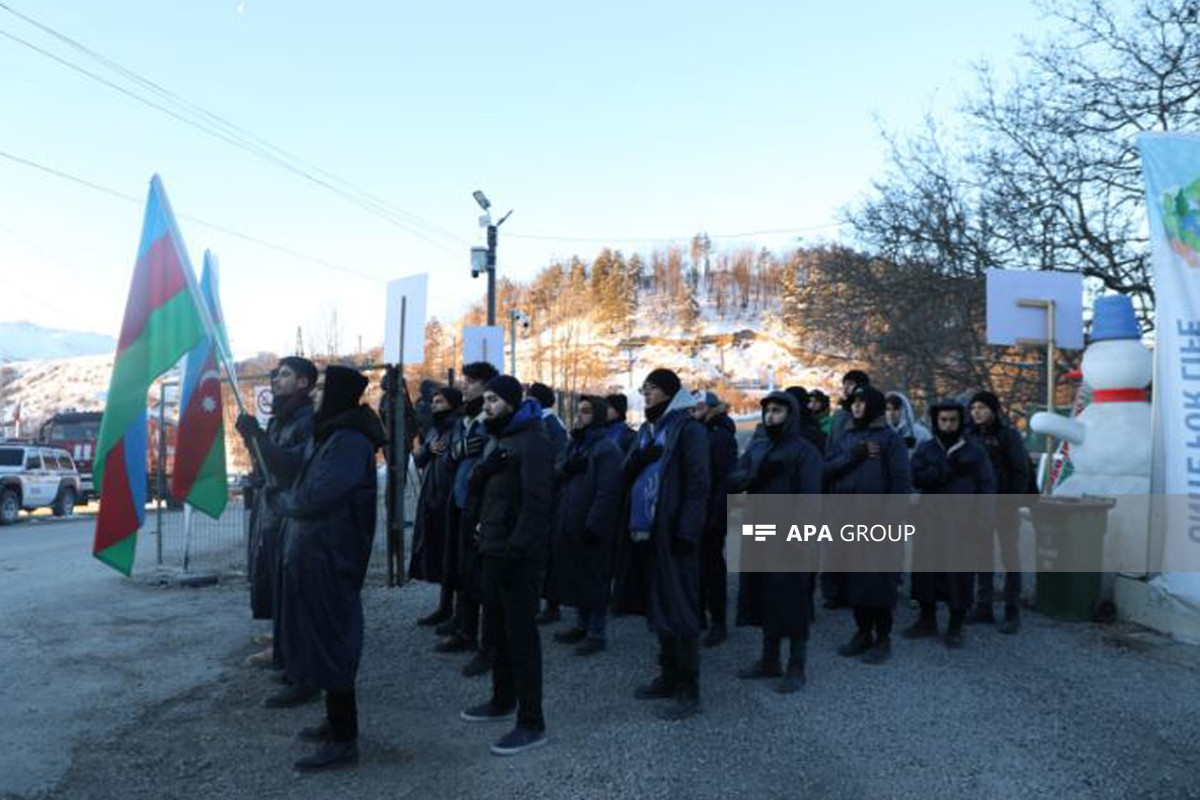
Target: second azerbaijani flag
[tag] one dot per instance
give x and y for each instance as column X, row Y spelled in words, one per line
column 198, row 477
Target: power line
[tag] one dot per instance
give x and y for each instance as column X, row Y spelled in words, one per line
column 203, row 222
column 641, row 239
column 221, row 128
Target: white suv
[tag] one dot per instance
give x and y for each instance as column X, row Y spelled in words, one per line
column 36, row 477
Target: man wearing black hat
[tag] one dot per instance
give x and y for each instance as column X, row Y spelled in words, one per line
column 618, row 430
column 282, row 447
column 328, row 534
column 667, row 470
column 842, row 419
column 511, row 493
column 432, row 456
column 462, row 555
column 1014, row 476
column 722, row 457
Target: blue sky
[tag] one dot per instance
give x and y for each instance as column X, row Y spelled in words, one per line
column 620, row 121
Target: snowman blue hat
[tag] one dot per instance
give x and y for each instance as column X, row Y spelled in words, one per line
column 1113, row 318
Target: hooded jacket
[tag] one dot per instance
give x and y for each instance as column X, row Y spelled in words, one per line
column 788, row 463
column 912, row 432
column 587, row 513
column 437, row 482
column 328, row 534
column 678, row 512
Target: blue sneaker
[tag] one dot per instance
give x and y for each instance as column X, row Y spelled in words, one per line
column 518, row 741
column 486, row 712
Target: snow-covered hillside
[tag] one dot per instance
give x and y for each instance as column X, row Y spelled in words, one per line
column 43, row 388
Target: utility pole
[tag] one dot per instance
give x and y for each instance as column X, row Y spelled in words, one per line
column 484, row 258
column 299, row 341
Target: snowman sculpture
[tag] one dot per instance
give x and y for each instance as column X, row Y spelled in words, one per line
column 1111, row 438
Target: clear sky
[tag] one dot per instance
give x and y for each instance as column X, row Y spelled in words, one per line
column 620, row 121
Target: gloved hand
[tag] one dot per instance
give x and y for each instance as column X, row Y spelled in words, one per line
column 641, row 458
column 770, row 469
column 575, row 466
column 248, row 426
column 590, row 537
column 681, row 548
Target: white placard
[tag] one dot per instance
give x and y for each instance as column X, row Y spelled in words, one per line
column 263, row 402
column 412, row 291
column 1007, row 322
column 484, row 343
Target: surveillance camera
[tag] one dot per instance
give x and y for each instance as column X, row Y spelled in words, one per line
column 479, row 257
column 525, row 324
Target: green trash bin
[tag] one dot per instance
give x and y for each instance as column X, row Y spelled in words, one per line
column 1070, row 536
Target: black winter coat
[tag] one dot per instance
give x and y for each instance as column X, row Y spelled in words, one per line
column 888, row 473
column 962, row 470
column 672, row 588
column 282, row 448
column 781, row 603
column 515, row 501
column 329, row 531
column 1007, row 453
column 427, row 562
column 586, row 519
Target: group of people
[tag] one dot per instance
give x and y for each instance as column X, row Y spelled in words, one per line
column 520, row 514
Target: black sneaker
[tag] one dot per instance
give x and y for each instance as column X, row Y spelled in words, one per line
column 660, row 688
column 486, row 712
column 716, row 636
column 331, row 755
column 856, row 646
column 793, row 680
column 518, row 740
column 879, row 652
column 685, row 704
column 591, row 646
column 760, row 669
column 481, row 664
column 317, row 733
column 439, row 616
column 455, row 644
column 291, row 697
column 570, row 636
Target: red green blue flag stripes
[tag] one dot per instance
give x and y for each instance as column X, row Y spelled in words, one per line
column 162, row 322
column 199, row 477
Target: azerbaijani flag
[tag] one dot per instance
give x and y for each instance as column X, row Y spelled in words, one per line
column 199, row 474
column 162, row 322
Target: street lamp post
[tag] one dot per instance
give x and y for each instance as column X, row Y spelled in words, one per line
column 485, row 257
